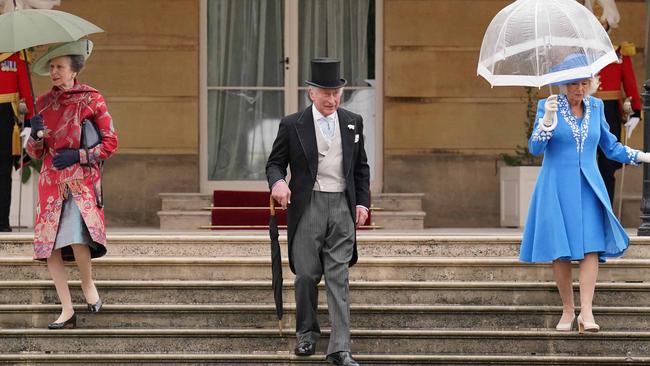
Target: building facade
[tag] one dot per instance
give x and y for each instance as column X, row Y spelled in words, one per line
column 197, row 87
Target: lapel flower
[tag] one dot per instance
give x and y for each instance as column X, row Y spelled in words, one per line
column 350, row 127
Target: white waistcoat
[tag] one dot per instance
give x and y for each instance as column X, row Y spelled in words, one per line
column 329, row 177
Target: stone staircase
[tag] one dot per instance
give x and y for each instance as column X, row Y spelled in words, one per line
column 204, row 299
column 398, row 210
column 184, row 211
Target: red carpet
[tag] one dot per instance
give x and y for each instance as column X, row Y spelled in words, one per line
column 234, row 210
column 243, row 209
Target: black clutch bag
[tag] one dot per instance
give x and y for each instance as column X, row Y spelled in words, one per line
column 91, row 137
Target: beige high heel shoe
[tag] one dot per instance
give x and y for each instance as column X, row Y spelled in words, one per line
column 584, row 326
column 566, row 327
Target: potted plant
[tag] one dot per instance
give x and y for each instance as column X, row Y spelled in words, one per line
column 518, row 176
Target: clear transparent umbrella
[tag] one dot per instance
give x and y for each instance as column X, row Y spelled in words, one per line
column 528, row 42
column 21, row 29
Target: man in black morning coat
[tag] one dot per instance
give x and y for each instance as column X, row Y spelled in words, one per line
column 328, row 195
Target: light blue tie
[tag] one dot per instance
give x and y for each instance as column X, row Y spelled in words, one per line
column 327, row 126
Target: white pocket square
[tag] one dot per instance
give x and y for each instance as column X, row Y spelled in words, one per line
column 350, row 127
column 356, row 138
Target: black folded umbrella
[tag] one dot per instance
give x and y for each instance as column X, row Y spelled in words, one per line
column 276, row 263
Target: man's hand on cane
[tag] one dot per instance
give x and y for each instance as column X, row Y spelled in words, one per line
column 362, row 216
column 281, row 193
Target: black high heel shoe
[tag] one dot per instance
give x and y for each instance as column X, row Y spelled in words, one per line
column 96, row 307
column 68, row 324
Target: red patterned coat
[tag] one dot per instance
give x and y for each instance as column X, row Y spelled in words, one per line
column 63, row 111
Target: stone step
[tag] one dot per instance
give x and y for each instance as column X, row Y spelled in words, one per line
column 182, row 211
column 413, row 342
column 385, row 201
column 363, row 317
column 183, row 220
column 277, row 359
column 369, row 245
column 398, row 201
column 405, row 220
column 185, row 201
column 368, row 269
column 370, row 293
column 287, row 358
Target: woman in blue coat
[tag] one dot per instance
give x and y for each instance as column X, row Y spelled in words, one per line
column 570, row 216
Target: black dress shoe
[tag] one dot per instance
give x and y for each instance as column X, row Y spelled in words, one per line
column 96, row 307
column 342, row 358
column 305, row 349
column 68, row 324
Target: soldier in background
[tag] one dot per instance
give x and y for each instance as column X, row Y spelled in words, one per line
column 14, row 86
column 614, row 79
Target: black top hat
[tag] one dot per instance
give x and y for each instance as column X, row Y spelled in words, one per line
column 325, row 73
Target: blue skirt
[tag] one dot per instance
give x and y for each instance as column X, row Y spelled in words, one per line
column 585, row 228
column 594, row 235
column 73, row 230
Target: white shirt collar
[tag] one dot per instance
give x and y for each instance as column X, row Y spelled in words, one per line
column 318, row 115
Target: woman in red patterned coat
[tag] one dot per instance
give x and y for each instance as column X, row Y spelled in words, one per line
column 69, row 216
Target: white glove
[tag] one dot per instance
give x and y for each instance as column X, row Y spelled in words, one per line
column 25, row 135
column 643, row 157
column 549, row 121
column 550, row 107
column 630, row 125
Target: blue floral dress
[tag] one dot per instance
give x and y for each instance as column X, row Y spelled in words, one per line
column 570, row 213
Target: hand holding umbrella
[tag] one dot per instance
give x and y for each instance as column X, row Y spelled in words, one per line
column 550, row 112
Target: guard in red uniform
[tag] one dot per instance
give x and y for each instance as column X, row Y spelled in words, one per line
column 615, row 78
column 14, row 86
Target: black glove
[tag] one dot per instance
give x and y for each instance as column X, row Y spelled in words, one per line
column 66, row 157
column 37, row 125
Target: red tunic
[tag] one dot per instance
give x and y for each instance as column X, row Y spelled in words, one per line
column 618, row 76
column 14, row 82
column 63, row 111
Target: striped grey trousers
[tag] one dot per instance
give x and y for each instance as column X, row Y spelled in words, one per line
column 323, row 244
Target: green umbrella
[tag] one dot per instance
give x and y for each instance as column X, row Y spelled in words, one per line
column 26, row 28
